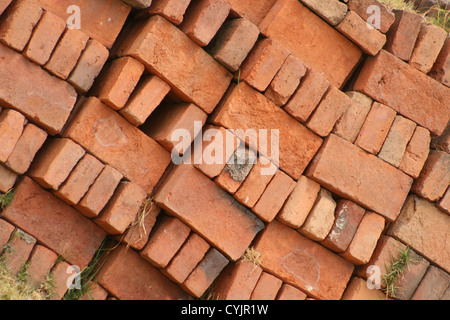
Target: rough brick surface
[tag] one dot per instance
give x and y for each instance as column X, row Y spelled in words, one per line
column 433, row 285
column 172, row 10
column 416, row 152
column 6, row 229
column 11, row 128
column 332, row 11
column 60, row 275
column 96, row 292
column 288, row 292
column 18, row 251
column 441, row 68
column 362, row 8
column 7, row 179
column 40, row 263
column 254, row 10
column 266, row 288
column 358, row 290
column 444, row 203
column 412, row 276
column 4, row 4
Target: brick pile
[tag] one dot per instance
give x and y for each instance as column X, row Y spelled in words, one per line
column 88, row 118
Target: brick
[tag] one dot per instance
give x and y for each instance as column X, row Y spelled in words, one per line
column 302, row 262
column 362, row 8
column 339, row 162
column 203, row 19
column 6, row 230
column 122, row 209
column 148, row 94
column 273, row 198
column 442, row 142
column 307, row 96
column 286, row 81
column 446, row 295
column 100, row 192
column 27, row 146
column 332, row 11
column 433, row 285
column 435, row 176
column 254, row 10
column 441, row 68
column 19, row 249
column 60, row 278
column 297, row 144
column 428, row 45
column 233, row 43
column 127, row 276
column 416, row 152
column 18, row 22
column 409, row 229
column 266, row 288
column 263, row 63
column 348, row 218
column 11, row 128
column 399, row 135
column 165, row 241
column 114, row 141
column 40, row 263
column 53, row 223
column 321, row 217
column 411, row 277
column 299, row 203
column 166, row 123
column 50, row 100
column 67, row 52
column 205, row 273
column 288, row 292
column 237, row 281
column 96, row 292
column 7, row 179
column 187, row 258
column 4, row 4
column 80, row 179
column 444, row 203
column 289, row 18
column 172, row 10
column 358, row 290
column 375, row 128
column 141, row 4
column 44, row 38
column 330, row 109
column 230, row 228
column 55, row 162
column 403, row 34
column 88, row 67
column 370, row 40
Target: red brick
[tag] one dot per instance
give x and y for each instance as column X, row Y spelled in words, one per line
column 100, row 192
column 446, row 295
column 172, row 10
column 44, row 38
column 376, row 128
column 411, row 277
column 416, row 152
column 288, row 292
column 18, row 251
column 18, row 22
column 348, row 218
column 61, row 274
column 421, row 224
column 6, row 230
column 40, row 263
column 332, row 11
column 307, row 96
column 428, row 45
column 80, row 179
column 442, row 142
column 266, row 288
column 127, row 276
column 361, row 7
column 289, row 18
column 263, row 63
column 247, row 109
column 203, row 19
column 140, row 4
column 234, row 41
column 253, row 10
column 358, row 290
column 441, row 68
column 339, row 162
column 444, row 203
column 114, row 141
column 189, row 256
column 27, row 146
column 435, row 176
column 196, row 78
column 237, row 281
column 286, row 81
column 273, row 198
column 96, row 292
column 53, row 223
column 148, row 94
column 4, row 4
column 208, row 210
column 49, row 100
column 67, row 52
column 165, row 241
column 433, row 285
column 7, row 179
column 330, row 109
column 55, row 162
column 302, row 262
column 11, row 128
column 122, row 209
column 205, row 273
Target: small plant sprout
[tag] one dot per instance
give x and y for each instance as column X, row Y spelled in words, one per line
column 395, row 271
column 6, row 199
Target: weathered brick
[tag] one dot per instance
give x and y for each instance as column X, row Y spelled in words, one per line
column 39, row 265
column 289, row 18
column 11, row 128
column 7, row 179
column 96, row 292
column 411, row 277
column 442, row 142
column 53, row 223
column 358, row 290
column 208, row 210
column 18, row 251
column 254, row 10
column 172, row 10
column 6, row 230
column 362, row 8
column 444, row 203
column 196, row 78
column 4, row 4
column 266, row 288
column 114, row 141
column 433, row 285
column 416, row 152
column 247, row 109
column 339, row 162
column 141, row 4
column 332, row 11
column 60, row 275
column 302, row 262
column 288, row 292
column 441, row 68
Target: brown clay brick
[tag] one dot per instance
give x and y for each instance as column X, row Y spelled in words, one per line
column 172, row 10
column 266, row 288
column 19, row 249
column 416, row 152
column 39, row 265
column 11, row 128
column 288, row 292
column 7, row 179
